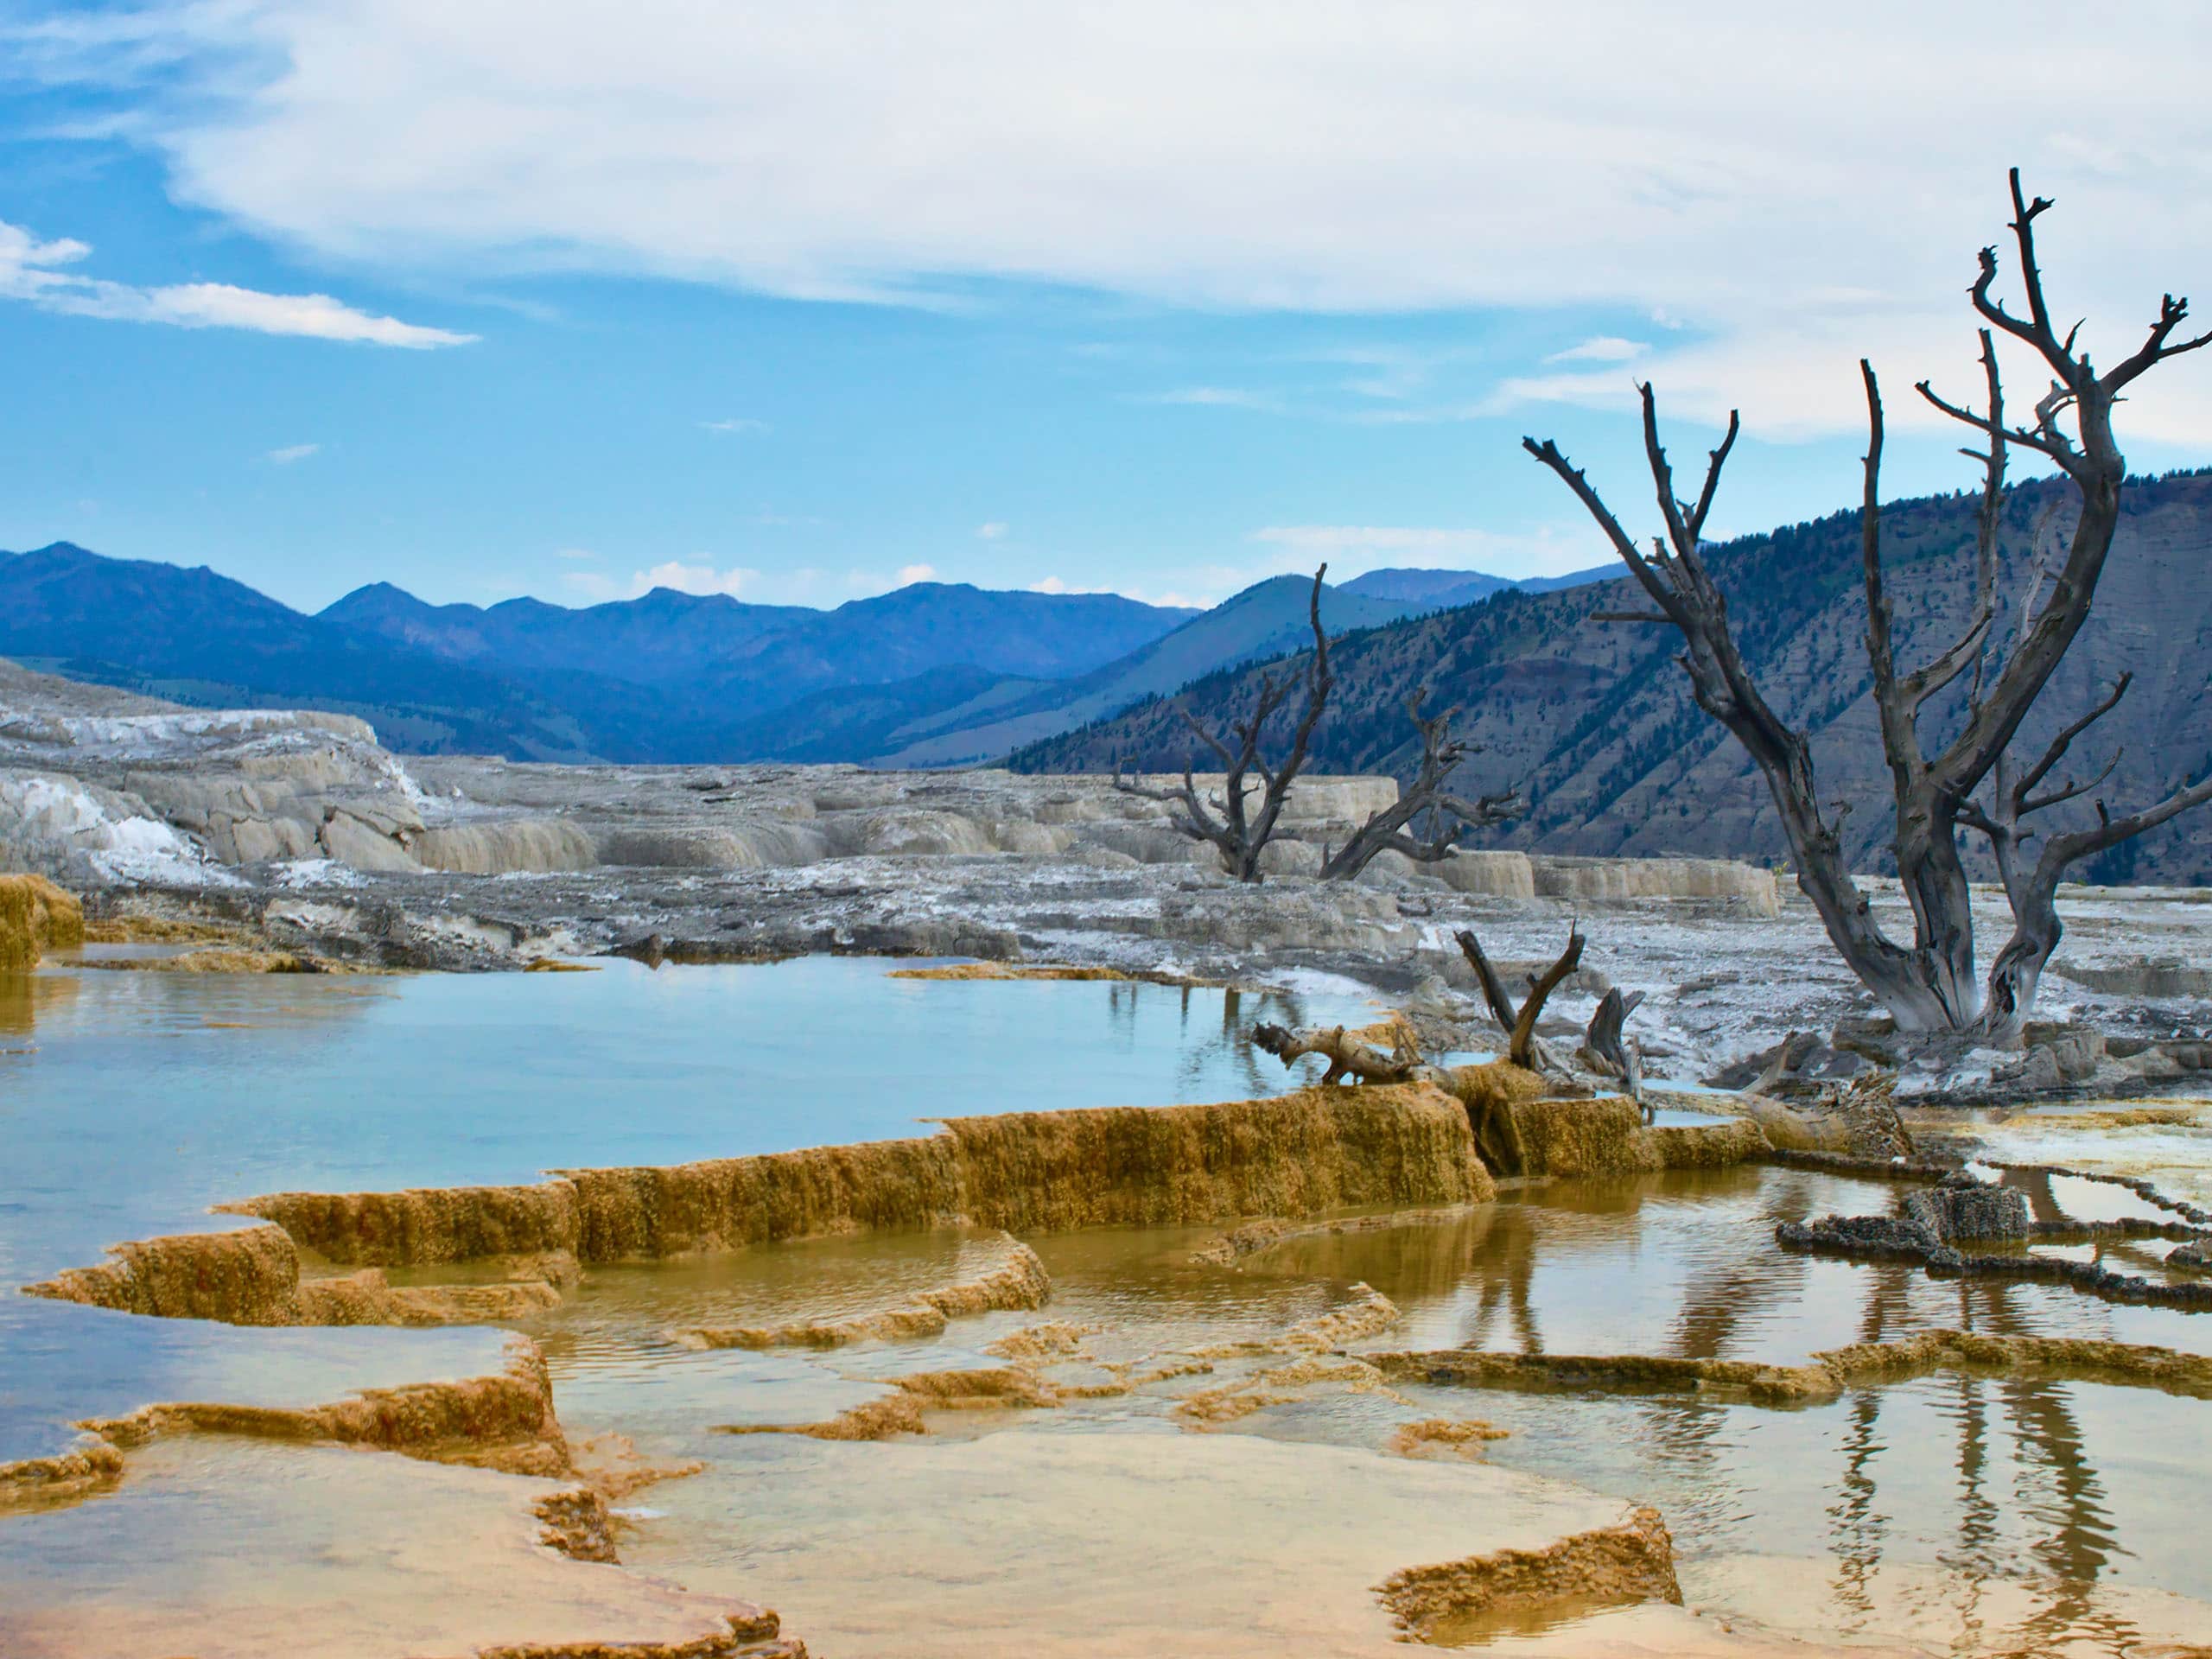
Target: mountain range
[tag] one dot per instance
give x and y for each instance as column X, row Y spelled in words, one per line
column 1594, row 724
column 932, row 674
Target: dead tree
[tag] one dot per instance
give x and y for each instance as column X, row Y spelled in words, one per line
column 1450, row 815
column 1929, row 985
column 1225, row 821
column 1606, row 1051
column 1522, row 1046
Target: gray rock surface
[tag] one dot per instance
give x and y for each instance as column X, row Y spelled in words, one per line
column 301, row 822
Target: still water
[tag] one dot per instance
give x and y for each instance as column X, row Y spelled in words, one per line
column 1972, row 1514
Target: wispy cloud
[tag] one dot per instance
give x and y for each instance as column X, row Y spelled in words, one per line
column 1855, row 156
column 1219, row 397
column 991, row 530
column 43, row 274
column 580, row 553
column 738, row 424
column 292, row 452
column 910, row 574
column 1602, row 348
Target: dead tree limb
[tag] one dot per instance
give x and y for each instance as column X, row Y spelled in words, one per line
column 1347, row 1054
column 1225, row 821
column 1931, row 985
column 1450, row 815
column 1522, row 1046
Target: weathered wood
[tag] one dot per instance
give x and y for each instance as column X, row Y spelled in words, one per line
column 1346, row 1053
column 1501, row 1005
column 1603, row 1042
column 1522, row 1047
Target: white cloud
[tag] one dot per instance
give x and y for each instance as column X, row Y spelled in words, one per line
column 292, row 452
column 1220, row 397
column 992, row 530
column 574, row 553
column 910, row 574
column 736, row 425
column 1333, row 156
column 1603, row 348
column 42, row 273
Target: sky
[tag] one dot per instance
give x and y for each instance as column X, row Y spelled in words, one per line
column 802, row 304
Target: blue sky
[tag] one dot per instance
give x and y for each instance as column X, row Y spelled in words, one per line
column 799, row 308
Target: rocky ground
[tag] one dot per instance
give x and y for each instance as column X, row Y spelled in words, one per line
column 300, row 828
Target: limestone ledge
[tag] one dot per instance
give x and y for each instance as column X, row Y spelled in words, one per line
column 1608, row 1565
column 503, row 1422
column 1400, row 1148
column 1825, row 1377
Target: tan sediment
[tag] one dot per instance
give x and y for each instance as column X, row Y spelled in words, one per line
column 577, row 1524
column 548, row 965
column 220, row 959
column 1459, row 1436
column 901, row 1412
column 252, row 1276
column 1604, row 1137
column 2172, row 1113
column 425, row 1226
column 1826, row 1374
column 1311, row 1152
column 751, row 1636
column 1295, row 1154
column 1607, row 1136
column 137, row 927
column 1018, row 1280
column 1282, row 1385
column 612, row 1465
column 35, row 917
column 1495, row 1083
column 503, row 1422
column 1633, row 1561
column 1055, row 1339
column 1369, row 1314
column 66, row 1478
column 1707, row 1145
column 753, row 1633
column 1316, row 1150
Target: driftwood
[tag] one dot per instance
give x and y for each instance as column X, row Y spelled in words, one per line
column 1347, row 1055
column 1523, row 1046
column 1931, row 984
column 1450, row 815
column 1234, row 831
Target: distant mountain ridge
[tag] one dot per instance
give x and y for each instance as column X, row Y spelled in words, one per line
column 931, row 674
column 1448, row 589
column 1594, row 722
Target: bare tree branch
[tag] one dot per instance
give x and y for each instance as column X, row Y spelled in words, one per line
column 1237, row 834
column 1932, row 985
column 1522, row 1046
column 1450, row 815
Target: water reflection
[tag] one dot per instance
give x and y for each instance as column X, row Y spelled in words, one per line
column 24, row 997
